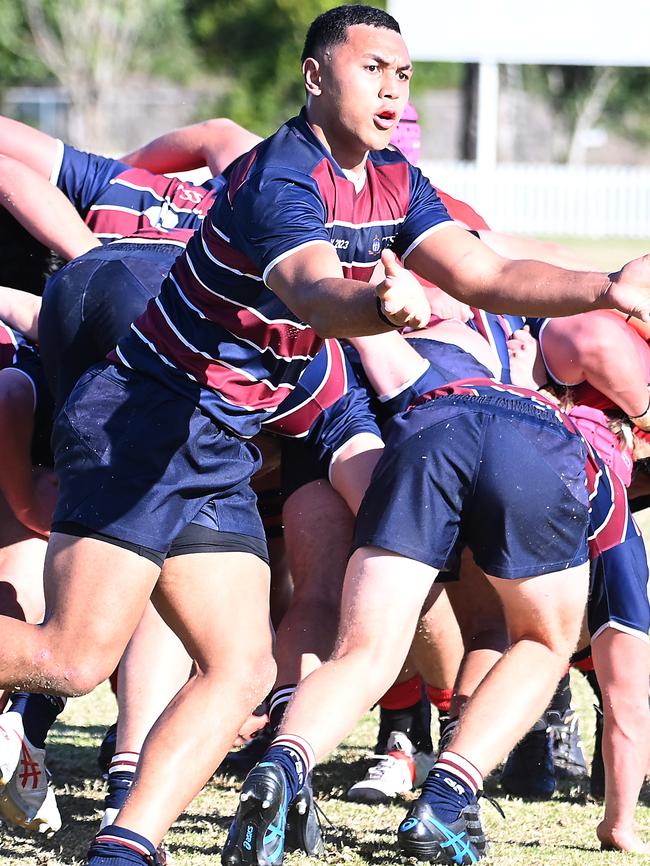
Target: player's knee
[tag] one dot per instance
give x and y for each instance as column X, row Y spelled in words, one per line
column 80, row 676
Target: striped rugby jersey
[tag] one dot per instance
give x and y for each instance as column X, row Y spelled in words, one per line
column 117, row 201
column 216, row 332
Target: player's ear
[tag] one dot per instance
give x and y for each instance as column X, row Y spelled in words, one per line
column 311, row 71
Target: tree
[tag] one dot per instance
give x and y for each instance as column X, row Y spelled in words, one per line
column 258, row 44
column 92, row 46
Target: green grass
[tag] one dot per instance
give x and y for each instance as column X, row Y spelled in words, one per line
column 556, row 833
column 606, row 253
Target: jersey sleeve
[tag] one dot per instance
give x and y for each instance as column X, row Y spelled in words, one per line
column 426, row 213
column 82, row 176
column 277, row 215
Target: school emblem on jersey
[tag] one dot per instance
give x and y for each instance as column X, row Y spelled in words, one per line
column 375, row 246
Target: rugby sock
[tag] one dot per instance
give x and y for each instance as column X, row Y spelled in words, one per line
column 399, row 710
column 278, row 700
column 452, row 784
column 115, row 846
column 440, row 698
column 38, row 712
column 447, row 730
column 120, row 778
column 561, row 701
column 296, row 758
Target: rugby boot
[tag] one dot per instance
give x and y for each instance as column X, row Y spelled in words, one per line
column 303, row 831
column 27, row 800
column 529, row 772
column 424, row 836
column 568, row 755
column 397, row 772
column 256, row 835
column 11, row 739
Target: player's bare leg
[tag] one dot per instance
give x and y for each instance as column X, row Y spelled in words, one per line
column 621, row 665
column 218, row 606
column 543, row 616
column 81, row 639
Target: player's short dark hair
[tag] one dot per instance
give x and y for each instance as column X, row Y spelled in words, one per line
column 331, row 27
column 24, row 262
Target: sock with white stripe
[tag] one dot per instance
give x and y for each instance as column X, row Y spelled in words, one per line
column 120, row 778
column 278, row 701
column 296, row 758
column 452, row 784
column 118, row 846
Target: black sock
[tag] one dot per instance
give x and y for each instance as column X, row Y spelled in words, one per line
column 38, row 713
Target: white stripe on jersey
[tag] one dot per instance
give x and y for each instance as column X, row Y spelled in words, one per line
column 431, row 230
column 260, row 349
column 224, row 266
column 283, row 256
column 118, row 181
column 370, row 225
column 55, row 171
column 218, row 362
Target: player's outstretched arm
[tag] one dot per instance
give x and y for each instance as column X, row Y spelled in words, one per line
column 43, row 210
column 311, row 284
column 36, row 149
column 212, row 143
column 470, row 271
column 20, row 310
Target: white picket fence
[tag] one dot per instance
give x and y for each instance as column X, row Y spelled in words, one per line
column 583, row 201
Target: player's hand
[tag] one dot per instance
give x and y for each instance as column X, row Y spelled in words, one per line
column 629, row 289
column 447, row 307
column 402, row 297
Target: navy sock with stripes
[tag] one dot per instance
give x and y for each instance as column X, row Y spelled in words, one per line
column 118, row 846
column 453, row 783
column 296, row 758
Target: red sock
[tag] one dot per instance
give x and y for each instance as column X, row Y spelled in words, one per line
column 402, row 695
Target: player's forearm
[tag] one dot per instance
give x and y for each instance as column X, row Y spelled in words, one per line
column 388, row 361
column 43, row 210
column 532, row 288
column 342, row 308
column 31, row 146
column 212, row 143
column 20, row 310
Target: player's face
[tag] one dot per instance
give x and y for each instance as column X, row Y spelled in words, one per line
column 364, row 89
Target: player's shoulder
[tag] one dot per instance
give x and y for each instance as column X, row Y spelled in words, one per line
column 292, row 154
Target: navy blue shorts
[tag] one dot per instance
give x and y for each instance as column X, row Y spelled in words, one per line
column 308, row 459
column 137, row 463
column 618, row 596
column 501, row 475
column 90, row 303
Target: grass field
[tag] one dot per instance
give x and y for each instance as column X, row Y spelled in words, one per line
column 556, row 833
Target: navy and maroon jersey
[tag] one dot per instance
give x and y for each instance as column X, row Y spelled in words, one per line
column 324, row 381
column 118, row 201
column 216, row 331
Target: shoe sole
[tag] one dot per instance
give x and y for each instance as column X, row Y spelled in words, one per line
column 253, row 821
column 14, row 816
column 427, row 852
column 303, row 832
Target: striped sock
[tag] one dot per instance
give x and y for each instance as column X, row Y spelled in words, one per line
column 295, row 756
column 278, row 701
column 120, row 778
column 118, row 846
column 452, row 784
